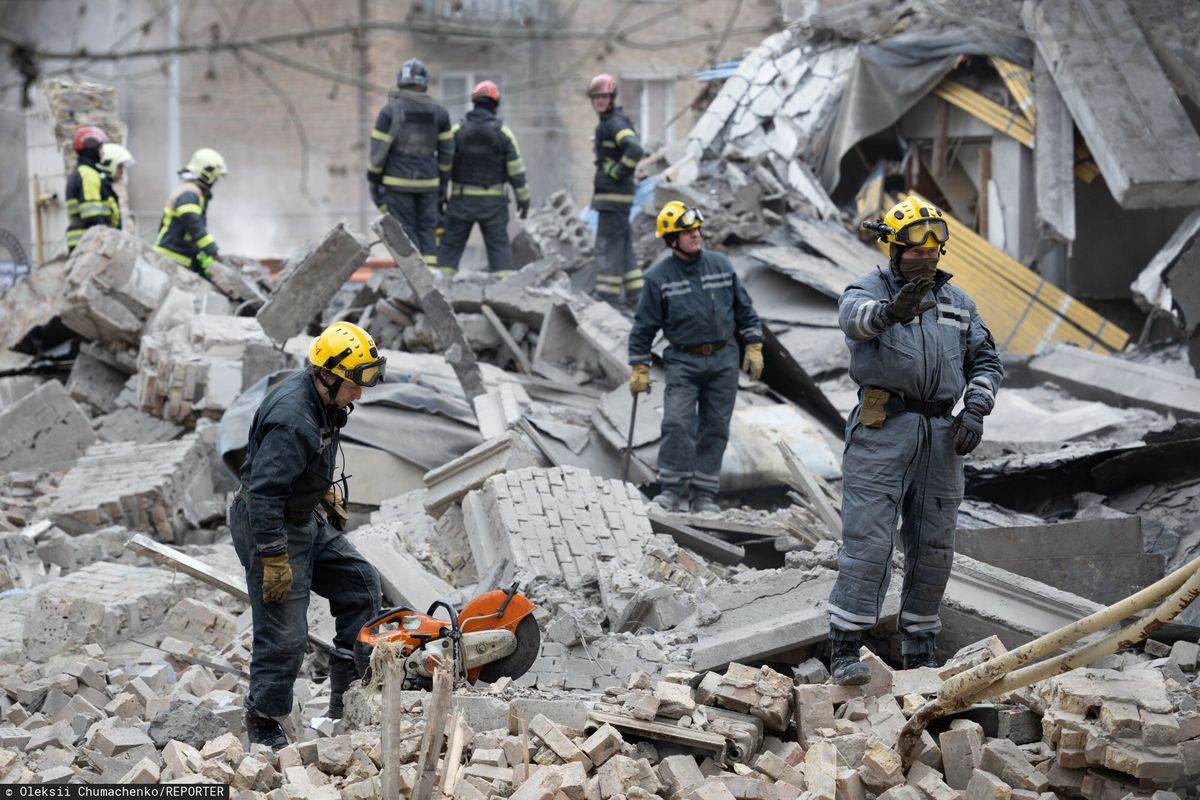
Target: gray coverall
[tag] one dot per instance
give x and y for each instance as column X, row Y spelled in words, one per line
column 907, row 468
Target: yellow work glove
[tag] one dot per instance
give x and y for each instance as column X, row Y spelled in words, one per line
column 639, row 381
column 277, row 578
column 752, row 362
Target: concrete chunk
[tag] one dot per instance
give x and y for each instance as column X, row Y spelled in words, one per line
column 307, row 288
column 1005, row 760
column 986, row 786
column 43, row 430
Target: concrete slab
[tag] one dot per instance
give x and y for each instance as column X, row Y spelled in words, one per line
column 1099, row 559
column 43, row 430
column 94, row 384
column 307, row 289
column 405, row 582
column 378, row 474
column 1054, row 158
column 1117, row 382
column 1111, row 81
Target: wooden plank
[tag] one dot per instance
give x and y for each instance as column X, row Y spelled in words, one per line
column 168, row 556
column 454, row 753
column 1020, row 85
column 708, row 743
column 989, row 112
column 1120, row 99
column 687, row 536
column 807, row 483
column 518, row 352
column 435, row 733
column 391, row 717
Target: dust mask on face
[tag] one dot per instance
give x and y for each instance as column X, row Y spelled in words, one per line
column 913, row 268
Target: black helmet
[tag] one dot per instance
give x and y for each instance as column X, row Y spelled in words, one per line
column 413, row 73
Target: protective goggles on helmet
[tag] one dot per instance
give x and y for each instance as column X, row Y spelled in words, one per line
column 367, row 374
column 690, row 218
column 915, row 234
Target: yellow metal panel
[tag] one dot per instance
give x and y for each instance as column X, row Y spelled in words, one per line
column 986, row 111
column 1022, row 310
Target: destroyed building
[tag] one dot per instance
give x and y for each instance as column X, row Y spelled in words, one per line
column 681, row 656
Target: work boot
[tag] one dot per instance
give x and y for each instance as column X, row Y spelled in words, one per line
column 342, row 675
column 667, row 500
column 918, row 651
column 704, row 504
column 265, row 731
column 845, row 666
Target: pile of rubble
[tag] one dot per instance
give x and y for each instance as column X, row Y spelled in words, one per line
column 681, row 654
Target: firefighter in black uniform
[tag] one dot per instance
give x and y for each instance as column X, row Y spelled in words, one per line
column 486, row 155
column 411, row 150
column 89, row 194
column 183, row 235
column 617, row 152
column 113, row 160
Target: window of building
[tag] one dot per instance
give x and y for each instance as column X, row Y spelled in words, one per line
column 650, row 104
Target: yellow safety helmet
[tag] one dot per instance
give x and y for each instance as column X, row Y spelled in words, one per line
column 207, row 165
column 348, row 352
column 911, row 223
column 113, row 155
column 675, row 217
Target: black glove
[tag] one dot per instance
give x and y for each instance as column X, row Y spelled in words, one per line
column 908, row 301
column 968, row 429
column 523, row 209
column 376, row 190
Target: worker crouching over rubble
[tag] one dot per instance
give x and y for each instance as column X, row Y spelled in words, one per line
column 695, row 298
column 916, row 342
column 285, row 546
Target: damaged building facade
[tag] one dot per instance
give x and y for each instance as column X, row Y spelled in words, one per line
column 679, row 655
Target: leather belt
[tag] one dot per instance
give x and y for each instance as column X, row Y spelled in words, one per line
column 706, row 349
column 926, row 408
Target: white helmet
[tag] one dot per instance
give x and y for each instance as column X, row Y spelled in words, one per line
column 113, row 155
column 206, row 166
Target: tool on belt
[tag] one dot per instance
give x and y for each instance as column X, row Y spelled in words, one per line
column 493, row 636
column 878, row 404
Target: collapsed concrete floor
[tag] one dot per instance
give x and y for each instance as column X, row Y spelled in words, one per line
column 682, row 656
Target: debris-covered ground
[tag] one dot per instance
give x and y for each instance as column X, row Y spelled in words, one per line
column 682, row 656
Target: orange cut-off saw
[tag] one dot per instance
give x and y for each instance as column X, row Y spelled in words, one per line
column 493, row 636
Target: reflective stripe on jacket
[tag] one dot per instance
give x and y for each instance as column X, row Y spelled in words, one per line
column 90, row 201
column 183, row 232
column 617, row 152
column 486, row 155
column 412, row 145
column 693, row 304
column 933, row 357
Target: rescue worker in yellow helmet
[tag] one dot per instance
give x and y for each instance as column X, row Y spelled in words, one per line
column 617, row 152
column 88, row 195
column 287, row 519
column 917, row 345
column 694, row 296
column 183, row 235
column 113, row 160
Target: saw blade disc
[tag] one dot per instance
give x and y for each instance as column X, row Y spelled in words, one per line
column 518, row 662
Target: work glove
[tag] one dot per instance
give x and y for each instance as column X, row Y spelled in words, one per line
column 277, row 578
column 908, row 302
column 752, row 362
column 204, row 261
column 968, row 429
column 335, row 509
column 523, row 209
column 609, row 168
column 639, row 381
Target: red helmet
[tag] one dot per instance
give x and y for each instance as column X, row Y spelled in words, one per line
column 89, row 136
column 486, row 89
column 603, row 84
